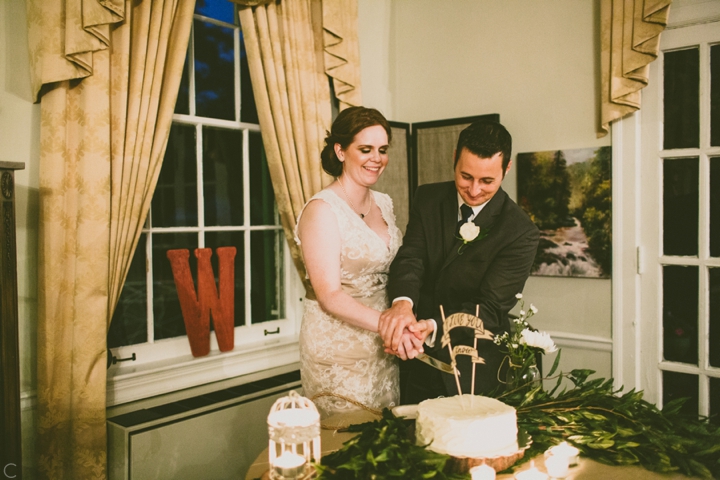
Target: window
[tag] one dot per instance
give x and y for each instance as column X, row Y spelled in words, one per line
column 214, row 190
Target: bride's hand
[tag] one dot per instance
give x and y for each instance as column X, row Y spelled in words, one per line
column 411, row 344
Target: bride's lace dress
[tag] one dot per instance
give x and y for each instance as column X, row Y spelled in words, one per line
column 339, row 358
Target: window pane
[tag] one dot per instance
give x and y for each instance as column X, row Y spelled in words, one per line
column 681, row 385
column 680, row 206
column 214, row 71
column 266, row 273
column 182, row 105
column 174, row 202
column 166, row 306
column 715, row 95
column 262, row 197
column 682, row 99
column 217, row 9
column 222, row 176
column 715, row 206
column 714, row 351
column 231, row 239
column 680, row 314
column 715, row 400
column 129, row 324
column 248, row 109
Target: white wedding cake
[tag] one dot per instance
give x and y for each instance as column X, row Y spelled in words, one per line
column 467, row 426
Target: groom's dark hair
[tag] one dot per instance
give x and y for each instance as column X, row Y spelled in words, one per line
column 485, row 139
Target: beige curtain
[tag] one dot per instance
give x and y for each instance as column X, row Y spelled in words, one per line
column 629, row 42
column 292, row 93
column 108, row 73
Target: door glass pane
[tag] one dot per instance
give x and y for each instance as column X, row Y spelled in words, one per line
column 166, row 306
column 266, row 291
column 715, row 400
column 214, row 71
column 715, row 95
column 222, row 176
column 231, row 239
column 714, row 313
column 681, row 385
column 680, row 314
column 262, row 196
column 174, row 202
column 680, row 206
column 682, row 99
column 129, row 324
column 715, row 206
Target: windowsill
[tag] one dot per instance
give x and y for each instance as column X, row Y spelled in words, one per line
column 131, row 383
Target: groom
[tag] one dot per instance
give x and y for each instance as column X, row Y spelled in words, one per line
column 435, row 268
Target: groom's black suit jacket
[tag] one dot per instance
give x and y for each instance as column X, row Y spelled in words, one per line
column 489, row 273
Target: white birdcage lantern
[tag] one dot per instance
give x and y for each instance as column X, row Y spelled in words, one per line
column 294, row 431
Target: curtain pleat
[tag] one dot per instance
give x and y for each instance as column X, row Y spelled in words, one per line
column 109, row 92
column 342, row 51
column 293, row 101
column 629, row 42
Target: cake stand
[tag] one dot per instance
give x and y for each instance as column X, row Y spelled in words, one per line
column 498, row 463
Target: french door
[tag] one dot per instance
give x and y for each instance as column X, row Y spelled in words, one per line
column 680, row 221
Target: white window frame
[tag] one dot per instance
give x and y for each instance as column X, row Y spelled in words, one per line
column 637, row 263
column 165, row 366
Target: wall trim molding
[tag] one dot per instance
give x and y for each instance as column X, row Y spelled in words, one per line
column 585, row 342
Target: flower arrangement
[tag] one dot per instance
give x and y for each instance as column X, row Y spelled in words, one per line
column 469, row 232
column 522, row 344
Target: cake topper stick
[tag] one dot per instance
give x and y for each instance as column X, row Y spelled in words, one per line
column 472, row 384
column 452, row 357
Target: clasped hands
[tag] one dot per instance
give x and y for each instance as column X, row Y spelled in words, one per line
column 402, row 334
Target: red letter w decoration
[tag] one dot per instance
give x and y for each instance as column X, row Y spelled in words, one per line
column 196, row 308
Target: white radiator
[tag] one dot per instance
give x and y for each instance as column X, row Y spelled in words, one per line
column 215, row 436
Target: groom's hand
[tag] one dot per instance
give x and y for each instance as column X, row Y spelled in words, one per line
column 410, row 346
column 393, row 323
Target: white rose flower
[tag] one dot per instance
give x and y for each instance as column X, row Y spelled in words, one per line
column 522, row 313
column 539, row 340
column 469, row 231
column 518, row 296
column 533, row 308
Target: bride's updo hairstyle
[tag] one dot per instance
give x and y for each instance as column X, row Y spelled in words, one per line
column 349, row 123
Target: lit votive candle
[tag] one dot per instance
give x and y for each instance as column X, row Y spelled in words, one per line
column 289, row 465
column 482, row 472
column 531, row 474
column 557, row 466
column 564, row 449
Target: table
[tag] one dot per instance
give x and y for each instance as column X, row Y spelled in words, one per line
column 586, row 469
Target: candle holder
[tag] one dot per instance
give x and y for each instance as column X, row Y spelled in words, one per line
column 564, row 449
column 294, row 431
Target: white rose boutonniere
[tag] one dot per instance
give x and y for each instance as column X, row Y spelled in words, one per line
column 469, row 232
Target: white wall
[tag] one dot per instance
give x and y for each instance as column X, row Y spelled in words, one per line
column 20, row 142
column 534, row 63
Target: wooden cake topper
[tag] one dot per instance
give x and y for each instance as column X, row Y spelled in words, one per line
column 467, row 321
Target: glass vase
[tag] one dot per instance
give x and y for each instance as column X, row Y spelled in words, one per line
column 518, row 377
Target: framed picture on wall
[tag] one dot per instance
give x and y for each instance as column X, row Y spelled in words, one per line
column 567, row 193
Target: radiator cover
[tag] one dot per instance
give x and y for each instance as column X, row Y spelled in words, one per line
column 207, row 437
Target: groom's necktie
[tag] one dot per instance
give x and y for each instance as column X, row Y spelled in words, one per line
column 466, row 212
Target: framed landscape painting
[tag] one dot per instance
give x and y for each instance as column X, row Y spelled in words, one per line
column 567, row 193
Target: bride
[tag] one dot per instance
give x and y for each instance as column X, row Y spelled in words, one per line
column 348, row 238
